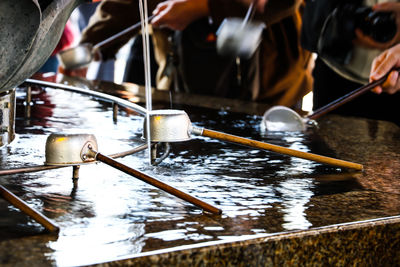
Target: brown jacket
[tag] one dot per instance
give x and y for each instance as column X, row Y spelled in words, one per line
column 111, row 17
column 279, row 74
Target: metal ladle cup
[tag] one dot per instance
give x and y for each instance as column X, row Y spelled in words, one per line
column 236, row 39
column 73, row 149
column 76, row 57
column 69, row 149
column 239, row 37
column 281, row 118
column 83, row 54
column 168, row 125
column 175, row 126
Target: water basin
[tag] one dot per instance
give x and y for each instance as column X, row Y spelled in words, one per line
column 109, row 215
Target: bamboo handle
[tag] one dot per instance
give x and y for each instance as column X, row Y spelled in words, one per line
column 280, row 149
column 348, row 97
column 156, row 183
column 20, row 204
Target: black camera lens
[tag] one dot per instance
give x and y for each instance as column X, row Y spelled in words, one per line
column 336, row 41
column 380, row 26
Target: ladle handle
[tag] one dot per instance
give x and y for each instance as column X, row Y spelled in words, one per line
column 127, row 33
column 250, row 13
column 156, row 183
column 21, row 205
column 348, row 97
column 279, row 149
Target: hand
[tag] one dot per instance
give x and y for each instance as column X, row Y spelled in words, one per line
column 96, row 53
column 367, row 41
column 381, row 65
column 73, row 73
column 178, row 14
column 259, row 4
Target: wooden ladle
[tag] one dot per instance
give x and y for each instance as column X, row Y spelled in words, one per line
column 70, row 149
column 175, row 126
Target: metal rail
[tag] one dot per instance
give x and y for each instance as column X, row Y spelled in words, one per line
column 39, row 168
column 113, row 99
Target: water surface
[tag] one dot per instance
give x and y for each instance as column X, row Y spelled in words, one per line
column 109, row 214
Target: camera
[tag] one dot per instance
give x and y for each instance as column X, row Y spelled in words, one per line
column 336, row 41
column 380, row 26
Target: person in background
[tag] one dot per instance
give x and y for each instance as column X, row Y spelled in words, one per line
column 279, row 73
column 387, row 60
column 323, row 33
column 112, row 17
column 67, row 40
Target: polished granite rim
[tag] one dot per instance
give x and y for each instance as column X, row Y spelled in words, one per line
column 199, row 250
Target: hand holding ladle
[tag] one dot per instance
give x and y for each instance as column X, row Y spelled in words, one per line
column 280, row 118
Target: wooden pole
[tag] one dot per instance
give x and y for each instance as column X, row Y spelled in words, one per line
column 280, row 149
column 147, row 179
column 20, row 204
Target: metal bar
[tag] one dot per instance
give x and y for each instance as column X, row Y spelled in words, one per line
column 28, row 101
column 48, row 167
column 37, row 168
column 105, row 97
column 75, row 172
column 115, row 112
column 129, row 152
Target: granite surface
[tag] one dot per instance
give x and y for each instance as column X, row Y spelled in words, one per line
column 354, row 222
column 374, row 242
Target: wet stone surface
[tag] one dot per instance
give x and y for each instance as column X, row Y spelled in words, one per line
column 109, row 215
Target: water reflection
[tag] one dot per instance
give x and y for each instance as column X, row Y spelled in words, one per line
column 89, row 241
column 297, row 193
column 110, row 214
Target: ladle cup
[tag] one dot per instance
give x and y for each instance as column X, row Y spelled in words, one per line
column 281, row 118
column 175, row 126
column 72, row 149
column 236, row 39
column 239, row 37
column 83, row 54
